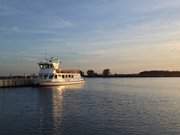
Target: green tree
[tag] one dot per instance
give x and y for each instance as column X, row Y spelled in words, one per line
column 91, row 73
column 106, row 72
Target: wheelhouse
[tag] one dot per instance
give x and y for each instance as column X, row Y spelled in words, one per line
column 45, row 66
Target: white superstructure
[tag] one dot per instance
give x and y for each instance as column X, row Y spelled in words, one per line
column 50, row 73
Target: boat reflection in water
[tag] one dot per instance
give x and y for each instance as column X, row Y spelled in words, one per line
column 51, row 107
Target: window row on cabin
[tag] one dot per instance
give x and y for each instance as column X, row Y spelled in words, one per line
column 51, row 76
column 66, row 76
column 45, row 66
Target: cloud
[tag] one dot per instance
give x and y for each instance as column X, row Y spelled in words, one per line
column 144, row 31
column 45, row 25
column 119, row 33
column 16, row 29
column 6, row 10
column 57, row 22
column 146, row 6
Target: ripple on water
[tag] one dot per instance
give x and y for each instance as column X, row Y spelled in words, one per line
column 102, row 106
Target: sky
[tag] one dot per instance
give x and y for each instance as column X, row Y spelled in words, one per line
column 123, row 35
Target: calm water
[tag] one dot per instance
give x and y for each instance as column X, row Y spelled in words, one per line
column 144, row 106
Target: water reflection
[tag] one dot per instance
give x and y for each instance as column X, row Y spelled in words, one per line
column 70, row 87
column 51, row 107
column 104, row 107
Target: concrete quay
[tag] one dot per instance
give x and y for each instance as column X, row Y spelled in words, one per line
column 15, row 82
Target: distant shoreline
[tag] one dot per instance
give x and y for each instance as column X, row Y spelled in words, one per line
column 144, row 74
column 133, row 77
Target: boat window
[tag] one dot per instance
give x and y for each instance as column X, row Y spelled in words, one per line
column 55, row 76
column 69, row 76
column 45, row 76
column 50, row 76
column 41, row 66
column 72, row 76
column 50, row 66
column 45, row 66
column 62, row 76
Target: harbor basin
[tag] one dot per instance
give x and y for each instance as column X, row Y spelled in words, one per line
column 124, row 106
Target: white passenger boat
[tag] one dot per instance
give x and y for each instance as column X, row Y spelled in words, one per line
column 51, row 74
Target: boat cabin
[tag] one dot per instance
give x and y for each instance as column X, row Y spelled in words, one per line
column 51, row 70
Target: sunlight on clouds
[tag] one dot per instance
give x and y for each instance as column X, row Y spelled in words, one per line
column 125, row 36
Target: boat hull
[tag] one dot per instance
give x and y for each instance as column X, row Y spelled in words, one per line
column 58, row 83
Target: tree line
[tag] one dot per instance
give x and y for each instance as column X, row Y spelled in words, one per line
column 151, row 73
column 92, row 73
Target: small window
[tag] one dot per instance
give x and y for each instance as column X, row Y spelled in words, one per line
column 50, row 76
column 62, row 76
column 41, row 66
column 69, row 76
column 55, row 76
column 46, row 76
